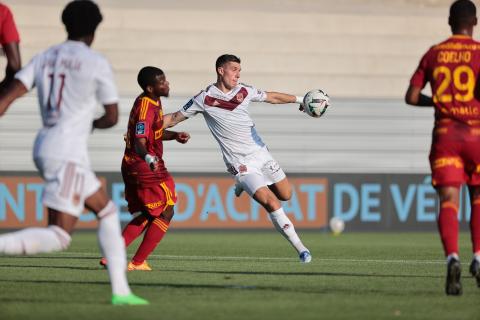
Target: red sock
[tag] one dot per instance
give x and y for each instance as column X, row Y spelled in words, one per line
column 155, row 232
column 448, row 227
column 134, row 228
column 475, row 226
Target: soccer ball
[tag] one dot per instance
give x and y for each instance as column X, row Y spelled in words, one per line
column 337, row 225
column 316, row 102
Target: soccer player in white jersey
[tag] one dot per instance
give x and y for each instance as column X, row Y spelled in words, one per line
column 70, row 77
column 224, row 106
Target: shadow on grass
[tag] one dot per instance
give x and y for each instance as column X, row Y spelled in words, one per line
column 313, row 289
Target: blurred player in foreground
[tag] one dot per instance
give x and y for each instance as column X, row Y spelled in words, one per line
column 452, row 68
column 224, row 106
column 149, row 188
column 9, row 39
column 69, row 78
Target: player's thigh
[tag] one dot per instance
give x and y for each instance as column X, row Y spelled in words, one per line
column 153, row 199
column 61, row 219
column 447, row 165
column 67, row 185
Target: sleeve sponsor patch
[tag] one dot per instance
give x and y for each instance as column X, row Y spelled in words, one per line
column 188, row 105
column 140, row 128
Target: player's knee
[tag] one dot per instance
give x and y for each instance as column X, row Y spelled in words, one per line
column 64, row 238
column 168, row 213
column 108, row 210
column 285, row 195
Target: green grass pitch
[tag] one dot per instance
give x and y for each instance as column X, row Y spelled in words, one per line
column 247, row 275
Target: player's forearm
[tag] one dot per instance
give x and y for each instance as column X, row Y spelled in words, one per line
column 14, row 91
column 280, row 98
column 172, row 119
column 141, row 147
column 415, row 97
column 169, row 135
column 109, row 119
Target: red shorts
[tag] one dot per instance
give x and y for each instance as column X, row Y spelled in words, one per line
column 152, row 199
column 455, row 162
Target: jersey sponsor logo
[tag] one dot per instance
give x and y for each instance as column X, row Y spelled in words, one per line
column 140, row 128
column 188, row 105
column 154, row 205
column 229, row 105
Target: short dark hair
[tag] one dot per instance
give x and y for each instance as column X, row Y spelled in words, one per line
column 224, row 58
column 147, row 76
column 462, row 14
column 81, row 18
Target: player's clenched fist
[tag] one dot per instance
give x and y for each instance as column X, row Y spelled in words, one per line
column 182, row 137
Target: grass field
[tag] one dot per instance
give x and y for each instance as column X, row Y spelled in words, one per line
column 247, row 275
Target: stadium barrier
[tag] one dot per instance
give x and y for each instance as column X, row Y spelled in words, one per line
column 366, row 202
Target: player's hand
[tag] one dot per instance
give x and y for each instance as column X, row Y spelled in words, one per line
column 182, row 137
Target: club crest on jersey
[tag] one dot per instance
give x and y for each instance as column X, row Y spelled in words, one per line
column 140, row 128
column 242, row 168
column 240, row 97
column 188, row 105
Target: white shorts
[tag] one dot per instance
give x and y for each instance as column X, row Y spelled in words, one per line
column 67, row 185
column 257, row 170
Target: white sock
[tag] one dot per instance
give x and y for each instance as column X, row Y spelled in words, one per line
column 286, row 228
column 34, row 240
column 476, row 257
column 452, row 256
column 113, row 248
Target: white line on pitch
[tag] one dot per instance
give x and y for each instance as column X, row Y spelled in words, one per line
column 186, row 257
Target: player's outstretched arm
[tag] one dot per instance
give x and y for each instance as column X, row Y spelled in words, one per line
column 172, row 119
column 181, row 137
column 415, row 97
column 12, row 92
column 109, row 118
column 281, row 98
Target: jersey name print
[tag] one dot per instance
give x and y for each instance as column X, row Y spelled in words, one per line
column 71, row 79
column 452, row 67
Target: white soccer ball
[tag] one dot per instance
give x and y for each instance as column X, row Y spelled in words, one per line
column 316, row 102
column 337, row 225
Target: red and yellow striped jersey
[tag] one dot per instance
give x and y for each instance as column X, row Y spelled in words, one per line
column 145, row 121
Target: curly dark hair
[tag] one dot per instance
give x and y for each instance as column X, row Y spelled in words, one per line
column 147, row 76
column 81, row 18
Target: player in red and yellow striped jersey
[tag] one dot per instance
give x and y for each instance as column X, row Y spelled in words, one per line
column 452, row 68
column 149, row 188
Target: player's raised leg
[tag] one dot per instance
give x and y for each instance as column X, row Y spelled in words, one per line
column 448, row 229
column 113, row 248
column 39, row 240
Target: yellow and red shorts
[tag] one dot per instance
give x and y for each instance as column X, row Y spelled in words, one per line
column 152, row 198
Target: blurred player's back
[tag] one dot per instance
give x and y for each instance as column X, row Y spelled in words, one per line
column 67, row 77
